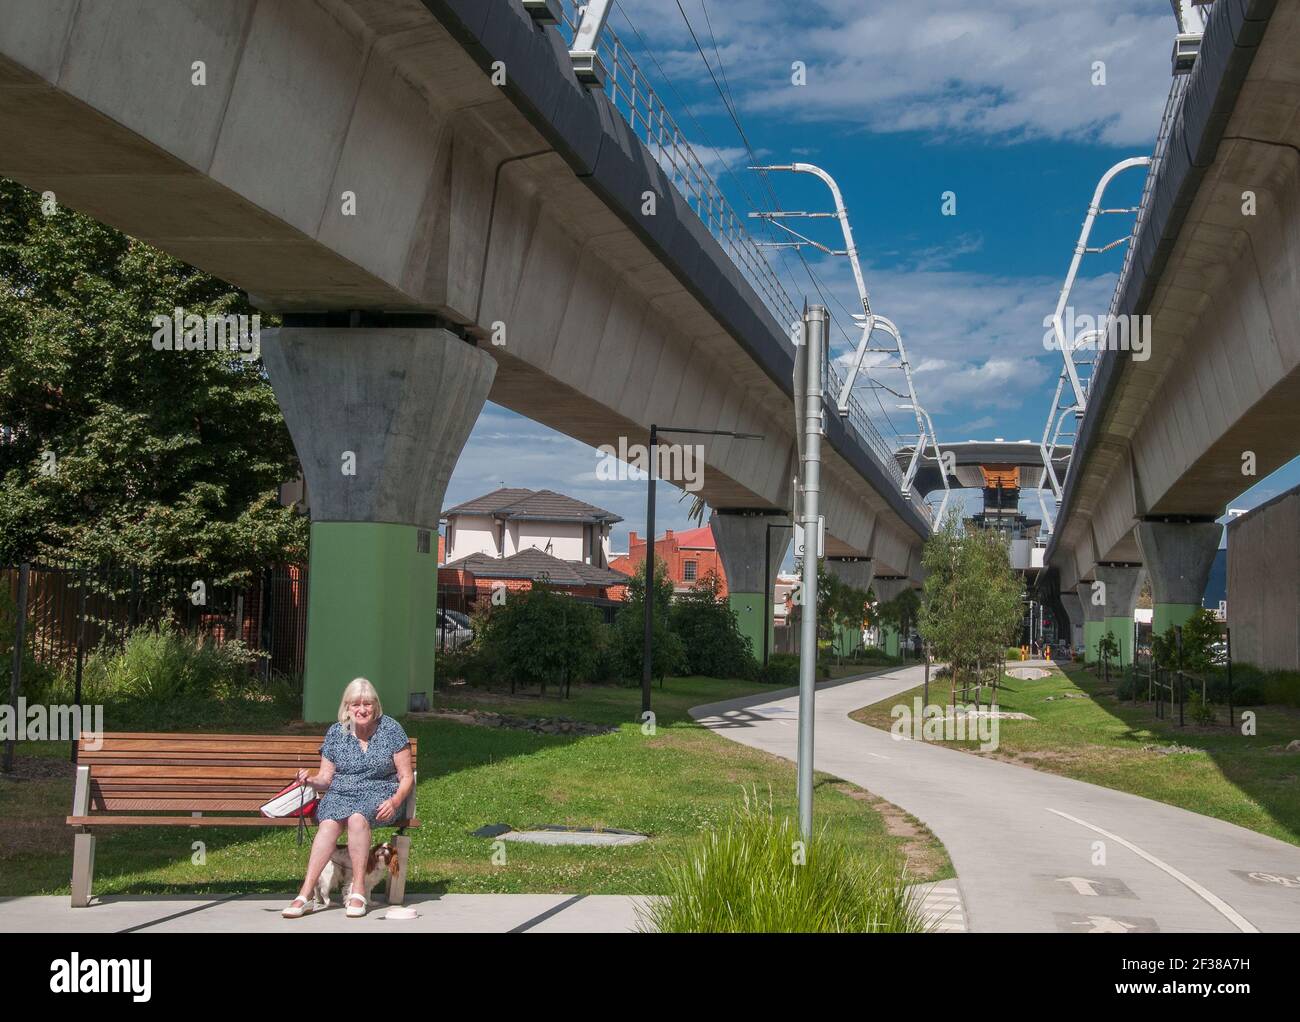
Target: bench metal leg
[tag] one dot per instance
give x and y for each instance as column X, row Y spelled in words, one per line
column 83, row 843
column 397, row 881
column 83, row 869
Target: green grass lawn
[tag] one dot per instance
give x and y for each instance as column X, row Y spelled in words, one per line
column 1081, row 730
column 670, row 785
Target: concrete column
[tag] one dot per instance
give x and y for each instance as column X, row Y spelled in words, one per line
column 1093, row 616
column 1121, row 582
column 1179, row 557
column 856, row 572
column 886, row 588
column 746, row 545
column 378, row 417
column 1073, row 608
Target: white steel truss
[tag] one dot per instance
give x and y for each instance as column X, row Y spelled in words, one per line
column 894, row 352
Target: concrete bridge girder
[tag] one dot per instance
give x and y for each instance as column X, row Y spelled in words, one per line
column 461, row 210
column 1215, row 407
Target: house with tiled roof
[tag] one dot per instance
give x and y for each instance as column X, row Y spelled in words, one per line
column 477, row 575
column 512, row 520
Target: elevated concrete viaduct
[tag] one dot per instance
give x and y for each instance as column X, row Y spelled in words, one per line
column 1166, row 443
column 433, row 238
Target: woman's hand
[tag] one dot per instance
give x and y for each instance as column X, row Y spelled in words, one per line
column 304, row 777
column 386, row 811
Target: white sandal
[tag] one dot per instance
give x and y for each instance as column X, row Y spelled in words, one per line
column 296, row 911
column 357, row 911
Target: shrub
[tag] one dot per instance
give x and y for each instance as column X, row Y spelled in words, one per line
column 540, row 636
column 159, row 664
column 712, row 644
column 742, row 878
column 1201, row 712
column 781, row 669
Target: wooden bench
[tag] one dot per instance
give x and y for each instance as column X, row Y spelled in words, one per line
column 170, row 780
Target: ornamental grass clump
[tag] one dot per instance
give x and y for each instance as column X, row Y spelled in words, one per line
column 752, row 875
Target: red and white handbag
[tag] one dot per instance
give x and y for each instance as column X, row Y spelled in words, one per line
column 293, row 800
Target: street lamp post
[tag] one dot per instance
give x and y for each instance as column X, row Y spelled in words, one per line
column 815, row 339
column 647, row 640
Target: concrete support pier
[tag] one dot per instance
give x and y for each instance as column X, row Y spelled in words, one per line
column 1073, row 607
column 1094, row 619
column 1179, row 556
column 750, row 550
column 1122, row 582
column 378, row 417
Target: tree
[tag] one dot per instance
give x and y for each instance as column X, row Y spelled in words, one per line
column 667, row 655
column 839, row 608
column 901, row 613
column 1200, row 633
column 712, row 642
column 114, row 450
column 540, row 635
column 971, row 609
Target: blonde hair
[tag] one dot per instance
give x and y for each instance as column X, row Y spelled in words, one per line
column 359, row 688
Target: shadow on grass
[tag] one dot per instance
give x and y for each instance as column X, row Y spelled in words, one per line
column 1256, row 765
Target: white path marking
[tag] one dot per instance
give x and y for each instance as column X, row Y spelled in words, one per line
column 1226, row 910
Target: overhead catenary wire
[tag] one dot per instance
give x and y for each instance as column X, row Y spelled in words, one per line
column 729, row 105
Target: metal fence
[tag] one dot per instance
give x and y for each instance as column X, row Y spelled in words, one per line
column 69, row 610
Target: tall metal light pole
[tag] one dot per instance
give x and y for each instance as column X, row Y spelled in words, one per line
column 815, row 320
column 652, row 473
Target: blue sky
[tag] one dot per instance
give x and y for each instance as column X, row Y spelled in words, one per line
column 995, row 102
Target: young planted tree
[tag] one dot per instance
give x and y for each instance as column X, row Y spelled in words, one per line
column 971, row 609
column 667, row 654
column 901, row 614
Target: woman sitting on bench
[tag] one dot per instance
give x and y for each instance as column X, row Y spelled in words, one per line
column 365, row 774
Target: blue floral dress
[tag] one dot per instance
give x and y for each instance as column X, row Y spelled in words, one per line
column 362, row 778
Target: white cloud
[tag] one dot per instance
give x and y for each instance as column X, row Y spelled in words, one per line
column 1011, row 69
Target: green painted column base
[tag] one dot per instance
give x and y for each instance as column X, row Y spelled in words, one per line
column 1092, row 633
column 748, row 608
column 1167, row 615
column 1122, row 629
column 371, row 613
column 848, row 639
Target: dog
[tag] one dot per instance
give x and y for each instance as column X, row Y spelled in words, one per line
column 337, row 874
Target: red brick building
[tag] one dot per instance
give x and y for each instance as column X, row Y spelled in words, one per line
column 689, row 555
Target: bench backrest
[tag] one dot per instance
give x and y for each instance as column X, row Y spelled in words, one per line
column 133, row 771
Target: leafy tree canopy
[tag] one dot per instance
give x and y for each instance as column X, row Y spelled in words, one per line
column 971, row 610
column 150, row 457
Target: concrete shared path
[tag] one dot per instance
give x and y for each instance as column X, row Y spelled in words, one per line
column 448, row 913
column 1027, row 845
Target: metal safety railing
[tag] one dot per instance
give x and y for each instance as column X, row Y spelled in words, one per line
column 1173, row 106
column 631, row 94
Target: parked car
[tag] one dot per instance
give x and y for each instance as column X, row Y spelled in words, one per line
column 454, row 629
